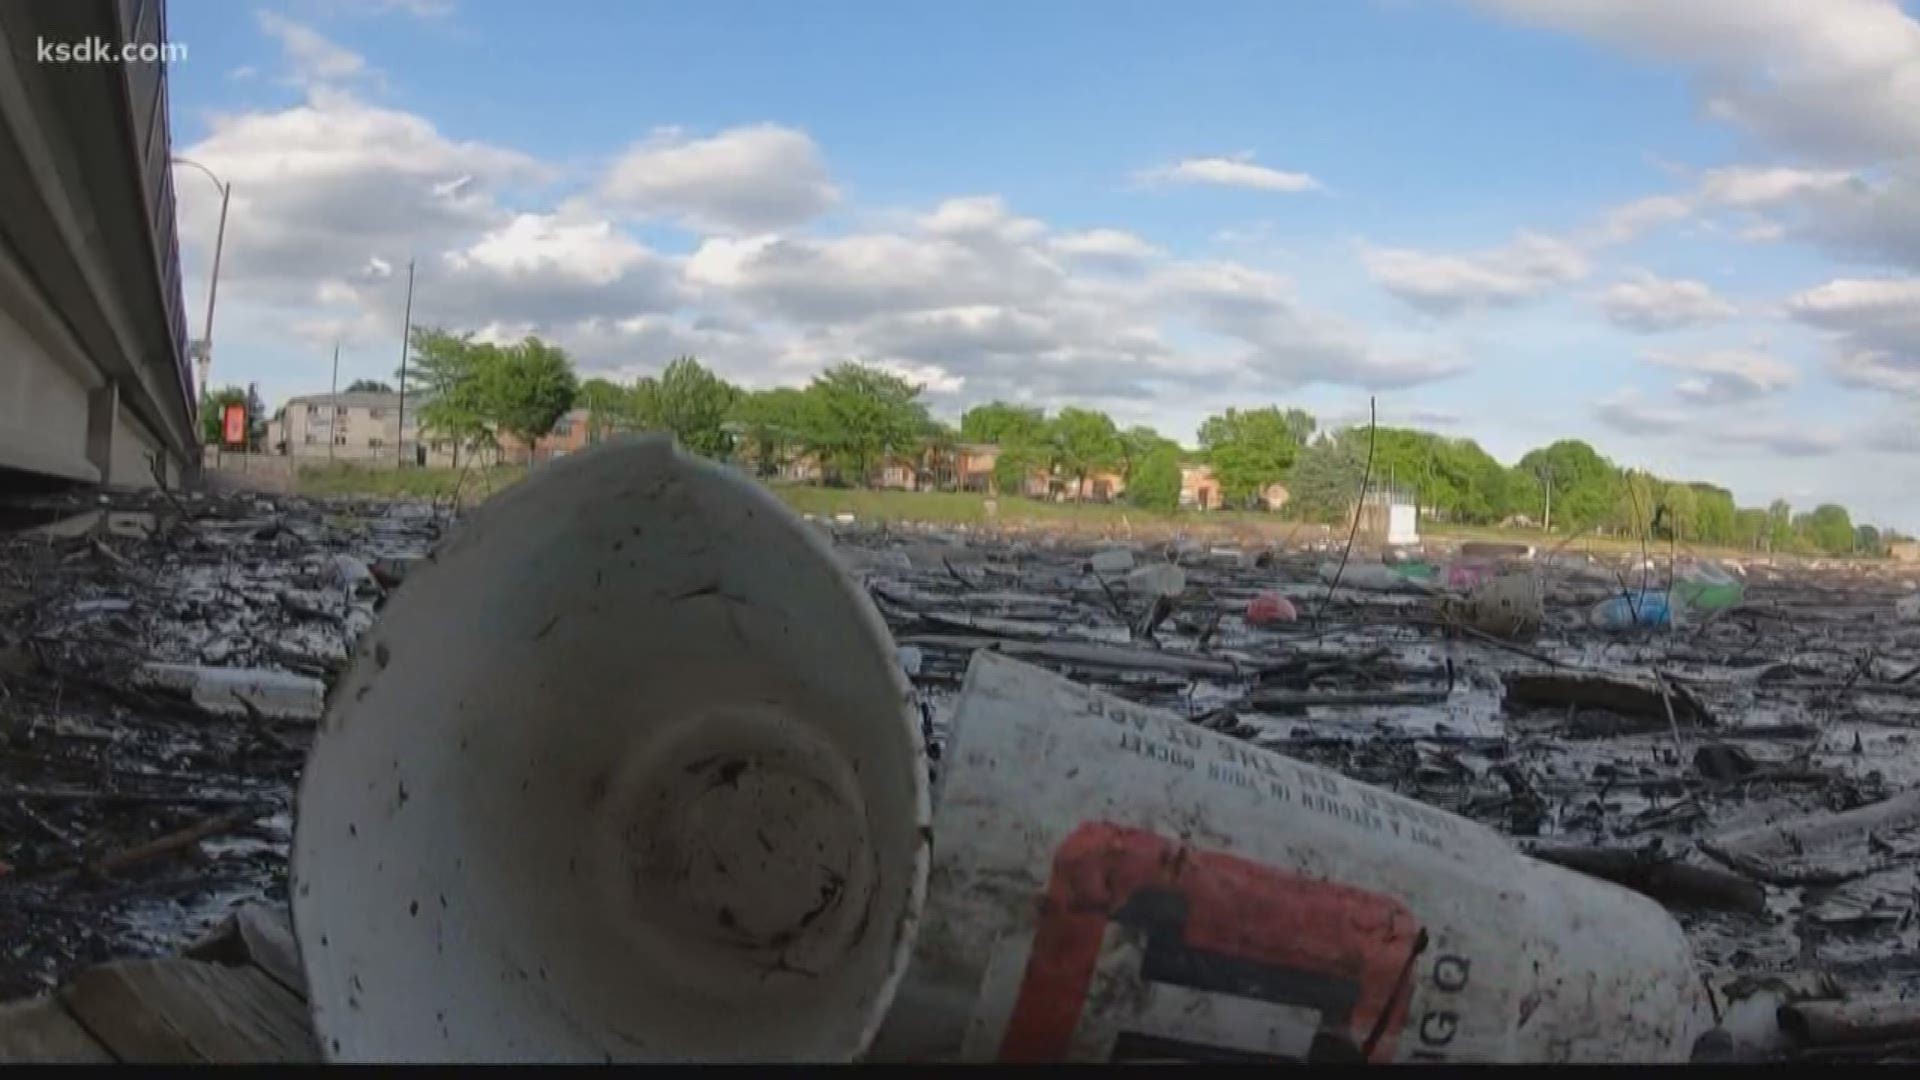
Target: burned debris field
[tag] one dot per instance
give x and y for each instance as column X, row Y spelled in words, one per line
column 164, row 661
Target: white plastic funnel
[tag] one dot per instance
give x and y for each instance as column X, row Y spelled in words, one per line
column 626, row 771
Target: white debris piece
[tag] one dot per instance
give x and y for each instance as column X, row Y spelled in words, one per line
column 104, row 606
column 1112, row 561
column 910, row 658
column 354, row 575
column 278, row 695
column 1159, row 579
column 131, row 525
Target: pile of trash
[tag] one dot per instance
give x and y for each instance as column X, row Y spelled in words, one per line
column 163, row 659
column 1731, row 741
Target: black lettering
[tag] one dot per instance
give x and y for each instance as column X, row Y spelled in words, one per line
column 1450, row 973
column 1438, row 1028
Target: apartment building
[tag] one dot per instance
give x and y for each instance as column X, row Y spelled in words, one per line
column 353, row 426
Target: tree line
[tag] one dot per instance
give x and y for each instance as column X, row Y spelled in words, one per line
column 853, row 419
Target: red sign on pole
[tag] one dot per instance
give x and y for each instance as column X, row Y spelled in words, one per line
column 233, row 423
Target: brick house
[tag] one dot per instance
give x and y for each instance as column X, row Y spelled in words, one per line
column 1198, row 488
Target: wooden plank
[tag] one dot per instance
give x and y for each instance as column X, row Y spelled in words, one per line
column 190, row 1011
column 259, row 934
column 40, row 1031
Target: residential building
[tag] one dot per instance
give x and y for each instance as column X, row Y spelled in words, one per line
column 973, row 466
column 1904, row 551
column 1198, row 488
column 356, row 425
column 1274, row 497
column 573, row 431
column 94, row 380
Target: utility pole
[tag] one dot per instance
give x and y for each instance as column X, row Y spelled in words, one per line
column 406, row 331
column 213, row 280
column 334, row 393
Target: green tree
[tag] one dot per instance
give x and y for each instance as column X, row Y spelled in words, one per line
column 1136, row 443
column 1326, row 479
column 858, row 415
column 447, row 374
column 1779, row 526
column 1155, row 480
column 1713, row 515
column 609, row 406
column 1683, row 511
column 1829, row 528
column 527, row 388
column 1086, row 442
column 1866, row 541
column 1750, row 527
column 1249, row 451
column 369, row 386
column 1636, row 499
column 1017, row 462
column 1301, row 425
column 1584, row 485
column 771, row 426
column 1000, row 423
column 692, row 403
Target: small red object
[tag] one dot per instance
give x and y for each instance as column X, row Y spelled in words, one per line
column 1269, row 608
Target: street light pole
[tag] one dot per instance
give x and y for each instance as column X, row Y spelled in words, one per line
column 406, row 331
column 213, row 280
column 333, row 394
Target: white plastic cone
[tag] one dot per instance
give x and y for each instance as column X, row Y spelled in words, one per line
column 627, row 770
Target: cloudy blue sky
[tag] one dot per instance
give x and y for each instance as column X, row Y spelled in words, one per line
column 1688, row 232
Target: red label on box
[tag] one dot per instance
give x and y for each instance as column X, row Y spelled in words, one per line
column 1258, row 941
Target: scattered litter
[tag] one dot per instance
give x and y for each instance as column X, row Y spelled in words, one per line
column 1632, row 609
column 1706, row 586
column 277, row 695
column 1509, row 606
column 1158, row 579
column 139, row 797
column 1111, row 561
column 1270, row 609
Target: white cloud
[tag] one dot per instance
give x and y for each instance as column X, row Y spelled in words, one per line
column 531, row 244
column 314, row 59
column 1628, row 221
column 1238, row 170
column 1444, row 284
column 1104, row 246
column 1763, row 232
column 1290, row 343
column 1626, row 411
column 1747, row 187
column 742, row 180
column 1833, row 77
column 1727, row 375
column 1875, row 329
column 1788, row 437
column 1874, row 369
column 1648, row 304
